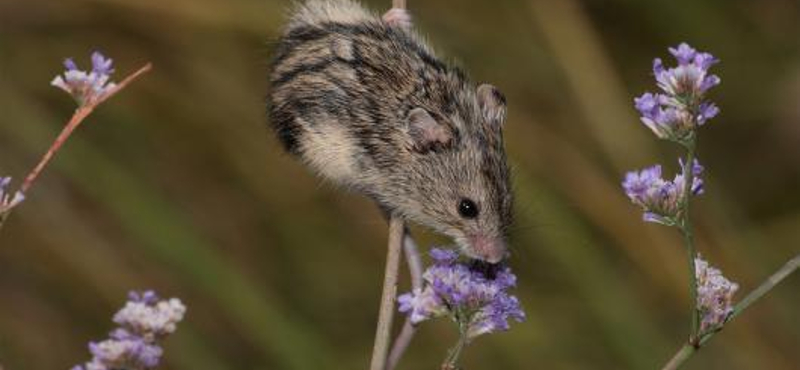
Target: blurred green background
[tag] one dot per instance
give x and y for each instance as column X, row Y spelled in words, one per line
column 176, row 184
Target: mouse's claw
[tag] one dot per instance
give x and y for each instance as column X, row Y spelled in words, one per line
column 397, row 17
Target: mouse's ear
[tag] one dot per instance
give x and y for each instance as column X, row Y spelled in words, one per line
column 492, row 103
column 427, row 134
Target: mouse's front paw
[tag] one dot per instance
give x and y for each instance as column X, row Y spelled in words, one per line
column 397, row 17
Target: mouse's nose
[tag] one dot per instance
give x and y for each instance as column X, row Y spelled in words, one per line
column 491, row 250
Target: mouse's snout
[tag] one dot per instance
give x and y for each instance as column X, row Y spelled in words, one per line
column 492, row 250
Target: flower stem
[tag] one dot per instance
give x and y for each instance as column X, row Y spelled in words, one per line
column 791, row 266
column 383, row 331
column 689, row 348
column 451, row 362
column 680, row 357
column 80, row 114
column 688, row 234
column 415, row 271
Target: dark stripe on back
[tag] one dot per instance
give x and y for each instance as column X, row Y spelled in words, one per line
column 287, row 130
column 301, row 69
column 379, row 31
column 296, row 37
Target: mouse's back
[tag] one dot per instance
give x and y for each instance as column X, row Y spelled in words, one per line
column 342, row 83
column 366, row 104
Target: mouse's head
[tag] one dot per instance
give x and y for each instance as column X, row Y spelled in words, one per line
column 458, row 181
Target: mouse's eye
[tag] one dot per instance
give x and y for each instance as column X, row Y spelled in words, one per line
column 467, row 208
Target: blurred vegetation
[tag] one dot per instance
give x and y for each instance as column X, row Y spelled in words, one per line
column 177, row 184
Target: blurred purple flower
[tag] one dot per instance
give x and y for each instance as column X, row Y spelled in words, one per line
column 690, row 78
column 714, row 296
column 87, row 87
column 443, row 256
column 697, row 180
column 479, row 304
column 134, row 344
column 144, row 314
column 680, row 108
column 660, row 199
column 706, row 111
column 421, row 304
column 7, row 200
column 101, row 65
column 494, row 317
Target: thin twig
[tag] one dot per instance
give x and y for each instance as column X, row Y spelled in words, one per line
column 689, row 349
column 680, row 357
column 80, row 114
column 791, row 266
column 386, row 314
column 453, row 356
column 413, row 260
column 146, row 68
column 688, row 236
column 415, row 271
column 399, row 4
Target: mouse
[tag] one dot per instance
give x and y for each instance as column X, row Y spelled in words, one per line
column 365, row 102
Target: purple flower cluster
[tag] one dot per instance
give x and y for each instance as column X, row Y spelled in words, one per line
column 87, row 87
column 134, row 344
column 714, row 296
column 478, row 304
column 661, row 199
column 7, row 200
column 674, row 113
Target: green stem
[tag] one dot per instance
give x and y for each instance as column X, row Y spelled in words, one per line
column 688, row 234
column 791, row 266
column 689, row 349
column 680, row 357
column 451, row 362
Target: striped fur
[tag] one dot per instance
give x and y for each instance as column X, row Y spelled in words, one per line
column 342, row 85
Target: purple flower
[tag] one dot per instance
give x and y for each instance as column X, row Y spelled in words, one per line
column 505, row 279
column 70, row 65
column 147, row 297
column 683, row 53
column 87, row 87
column 421, row 304
column 690, row 78
column 638, row 184
column 714, row 296
column 101, row 65
column 134, row 345
column 706, row 111
column 482, row 305
column 7, row 200
column 661, row 117
column 496, row 315
column 131, row 353
column 145, row 315
column 680, row 108
column 660, row 199
column 443, row 256
column 697, row 181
